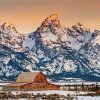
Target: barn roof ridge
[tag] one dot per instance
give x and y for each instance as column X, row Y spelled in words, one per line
column 27, row 76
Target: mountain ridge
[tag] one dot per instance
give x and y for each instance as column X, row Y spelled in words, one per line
column 59, row 52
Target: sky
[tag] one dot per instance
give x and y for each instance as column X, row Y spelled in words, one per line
column 27, row 15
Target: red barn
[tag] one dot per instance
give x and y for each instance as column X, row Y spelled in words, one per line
column 28, row 81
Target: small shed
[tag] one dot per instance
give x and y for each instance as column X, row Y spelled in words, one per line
column 28, row 81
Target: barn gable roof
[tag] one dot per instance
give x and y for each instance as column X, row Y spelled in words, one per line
column 27, row 77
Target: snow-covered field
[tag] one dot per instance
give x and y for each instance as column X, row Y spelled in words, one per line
column 72, row 83
column 62, row 92
column 80, row 98
column 65, row 83
column 4, row 83
column 47, row 92
column 87, row 98
column 75, row 94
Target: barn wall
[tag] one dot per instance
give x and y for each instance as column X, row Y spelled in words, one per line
column 10, row 88
column 40, row 78
column 40, row 86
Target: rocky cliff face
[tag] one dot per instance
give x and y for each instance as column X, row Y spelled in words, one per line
column 60, row 52
column 10, row 37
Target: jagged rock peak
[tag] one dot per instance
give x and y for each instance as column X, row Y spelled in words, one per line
column 7, row 26
column 52, row 21
column 79, row 28
column 79, row 24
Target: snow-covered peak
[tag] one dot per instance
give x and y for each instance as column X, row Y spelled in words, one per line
column 74, row 37
column 8, row 28
column 50, row 22
column 77, row 29
column 77, row 36
column 10, row 37
column 52, row 34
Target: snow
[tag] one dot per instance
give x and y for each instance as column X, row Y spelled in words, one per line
column 6, row 60
column 47, row 92
column 4, row 83
column 72, row 83
column 74, row 94
column 35, row 59
column 77, row 98
column 10, row 37
column 69, row 65
column 96, row 40
column 88, row 98
column 48, row 38
column 28, row 42
column 80, row 40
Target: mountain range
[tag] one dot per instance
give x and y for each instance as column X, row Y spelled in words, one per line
column 59, row 52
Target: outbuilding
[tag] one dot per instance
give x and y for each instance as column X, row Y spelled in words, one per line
column 28, row 81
